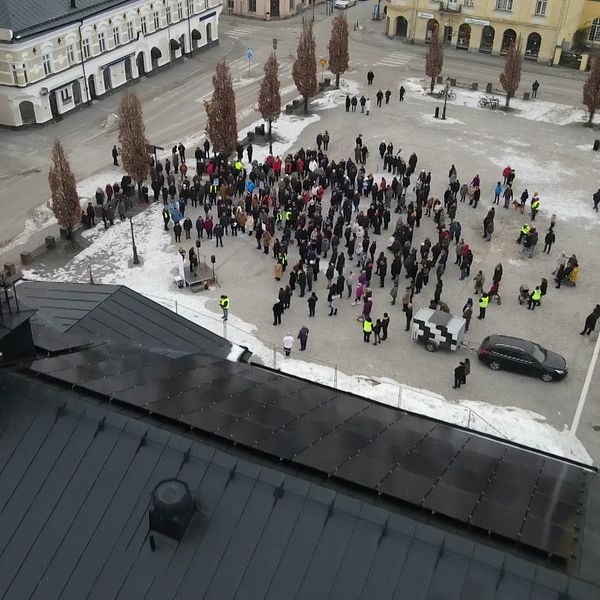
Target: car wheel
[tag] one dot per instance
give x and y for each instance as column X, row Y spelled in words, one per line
column 430, row 347
column 495, row 365
column 547, row 377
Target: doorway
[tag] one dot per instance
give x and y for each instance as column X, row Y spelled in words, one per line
column 401, row 27
column 54, row 106
column 128, row 70
column 76, row 92
column 92, row 87
column 27, row 111
column 141, row 64
column 464, row 37
column 107, row 79
column 447, row 34
column 274, row 8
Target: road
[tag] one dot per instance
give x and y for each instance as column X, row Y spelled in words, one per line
column 173, row 109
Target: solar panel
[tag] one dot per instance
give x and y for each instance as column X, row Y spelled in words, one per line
column 272, row 416
column 239, row 405
column 207, row 419
column 181, row 404
column 327, row 454
column 245, row 432
column 406, row 486
column 502, row 519
column 282, row 444
column 363, row 470
column 553, row 538
column 451, row 501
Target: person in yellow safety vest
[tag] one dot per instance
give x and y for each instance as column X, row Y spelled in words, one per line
column 279, row 218
column 535, row 205
column 367, row 329
column 224, row 304
column 535, row 298
column 283, row 260
column 483, row 304
column 238, row 166
column 288, row 218
column 524, row 232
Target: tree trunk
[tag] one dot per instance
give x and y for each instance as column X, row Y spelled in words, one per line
column 305, row 105
column 508, row 97
column 337, row 81
column 271, row 136
column 432, row 85
column 592, row 113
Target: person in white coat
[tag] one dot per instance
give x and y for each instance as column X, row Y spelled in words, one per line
column 288, row 344
column 368, row 106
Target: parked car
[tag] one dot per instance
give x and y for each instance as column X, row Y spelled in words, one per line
column 522, row 356
column 344, row 3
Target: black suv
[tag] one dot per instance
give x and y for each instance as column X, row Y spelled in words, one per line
column 522, row 356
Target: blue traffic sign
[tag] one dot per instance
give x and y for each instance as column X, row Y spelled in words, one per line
column 250, row 53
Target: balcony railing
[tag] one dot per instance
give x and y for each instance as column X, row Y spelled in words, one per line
column 449, row 6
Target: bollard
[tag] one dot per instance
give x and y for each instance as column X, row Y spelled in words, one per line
column 596, row 145
column 488, row 88
column 453, row 82
column 50, row 241
column 437, row 112
column 474, row 86
column 525, row 95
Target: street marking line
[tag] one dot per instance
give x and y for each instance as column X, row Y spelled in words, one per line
column 585, row 388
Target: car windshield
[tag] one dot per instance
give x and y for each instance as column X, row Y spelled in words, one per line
column 538, row 353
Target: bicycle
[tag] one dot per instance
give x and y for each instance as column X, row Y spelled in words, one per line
column 450, row 94
column 492, row 103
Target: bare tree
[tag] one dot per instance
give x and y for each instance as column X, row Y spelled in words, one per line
column 338, row 47
column 221, row 125
column 269, row 97
column 434, row 59
column 304, row 70
column 591, row 89
column 65, row 199
column 510, row 78
column 132, row 139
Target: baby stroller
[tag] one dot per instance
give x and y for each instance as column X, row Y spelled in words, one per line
column 523, row 294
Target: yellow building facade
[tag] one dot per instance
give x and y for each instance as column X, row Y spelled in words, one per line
column 548, row 28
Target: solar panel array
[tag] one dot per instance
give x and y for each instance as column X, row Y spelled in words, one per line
column 498, row 488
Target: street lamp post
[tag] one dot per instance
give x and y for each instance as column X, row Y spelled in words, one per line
column 136, row 258
column 445, row 98
column 313, row 10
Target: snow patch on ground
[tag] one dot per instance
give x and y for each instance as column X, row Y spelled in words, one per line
column 532, row 110
column 429, row 119
column 334, row 98
column 43, row 217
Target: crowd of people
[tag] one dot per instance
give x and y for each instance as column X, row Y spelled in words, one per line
column 351, row 230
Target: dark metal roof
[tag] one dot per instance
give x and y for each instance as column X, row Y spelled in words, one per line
column 516, row 494
column 117, row 314
column 75, row 486
column 28, row 17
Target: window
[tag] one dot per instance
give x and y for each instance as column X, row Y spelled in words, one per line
column 130, row 31
column 168, row 13
column 504, row 4
column 86, row 48
column 15, row 75
column 251, row 5
column 190, row 7
column 180, row 10
column 47, row 61
column 291, row 4
column 116, row 36
column 157, row 20
column 65, row 96
column 595, row 31
column 540, row 7
column 144, row 26
column 71, row 53
column 102, row 41
column 25, row 73
column 468, row 2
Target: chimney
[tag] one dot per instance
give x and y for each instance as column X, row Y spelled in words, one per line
column 73, row 5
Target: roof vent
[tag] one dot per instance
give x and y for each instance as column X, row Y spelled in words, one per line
column 172, row 508
column 73, row 5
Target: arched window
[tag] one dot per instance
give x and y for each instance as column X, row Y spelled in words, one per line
column 595, row 31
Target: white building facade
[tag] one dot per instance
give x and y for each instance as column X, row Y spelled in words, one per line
column 57, row 65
